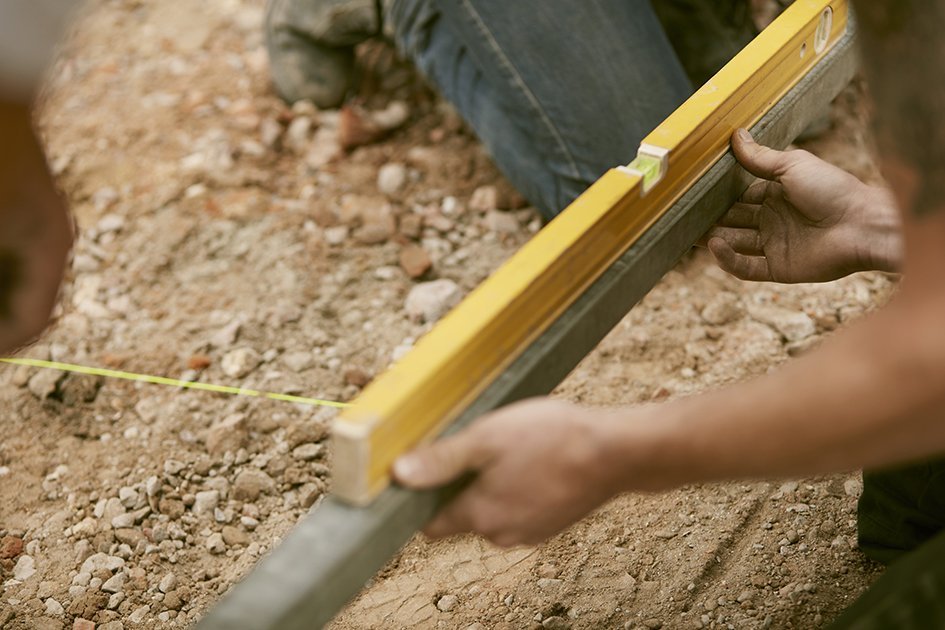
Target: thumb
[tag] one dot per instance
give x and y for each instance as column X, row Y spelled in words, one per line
column 441, row 462
column 759, row 160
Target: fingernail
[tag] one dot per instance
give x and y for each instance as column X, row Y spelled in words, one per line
column 406, row 467
column 744, row 136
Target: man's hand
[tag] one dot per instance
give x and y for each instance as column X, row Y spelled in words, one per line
column 35, row 232
column 539, row 466
column 805, row 221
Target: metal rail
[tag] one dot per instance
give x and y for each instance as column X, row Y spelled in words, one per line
column 329, row 556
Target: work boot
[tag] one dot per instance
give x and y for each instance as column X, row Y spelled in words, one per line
column 311, row 46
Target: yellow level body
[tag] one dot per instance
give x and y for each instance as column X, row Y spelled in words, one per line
column 451, row 365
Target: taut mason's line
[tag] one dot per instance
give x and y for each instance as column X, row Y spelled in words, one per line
column 173, row 382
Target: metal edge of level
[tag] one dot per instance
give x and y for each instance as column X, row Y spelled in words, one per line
column 336, row 550
column 400, row 417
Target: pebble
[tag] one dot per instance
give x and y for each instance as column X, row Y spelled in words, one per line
column 501, row 222
column 722, row 309
column 128, row 496
column 484, row 199
column 298, row 134
column 556, row 623
column 391, row 178
column 298, row 361
column 24, row 569
column 307, row 452
column 336, row 235
column 793, row 325
column 100, row 561
column 43, row 384
column 10, row 547
column 54, row 608
column 215, row 543
column 227, row 435
column 653, row 624
column 415, row 260
column 853, row 487
column 447, row 603
column 235, row 537
column 429, row 301
column 115, row 583
column 249, row 484
column 83, row 624
column 205, row 502
column 240, row 362
column 138, row 614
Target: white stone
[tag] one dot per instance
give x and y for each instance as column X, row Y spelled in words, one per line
column 215, row 543
column 99, row 561
column 54, row 608
column 138, row 614
column 25, row 568
column 168, row 583
column 793, row 325
column 429, row 301
column 205, row 502
column 240, row 362
column 391, row 178
column 115, row 583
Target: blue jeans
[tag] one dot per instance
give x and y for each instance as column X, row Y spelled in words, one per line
column 558, row 91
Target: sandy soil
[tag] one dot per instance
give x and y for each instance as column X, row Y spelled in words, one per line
column 225, row 238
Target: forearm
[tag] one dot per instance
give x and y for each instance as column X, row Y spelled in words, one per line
column 872, row 396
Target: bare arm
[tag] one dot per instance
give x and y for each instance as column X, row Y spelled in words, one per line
column 873, row 395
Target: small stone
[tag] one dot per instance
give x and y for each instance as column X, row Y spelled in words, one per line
column 307, row 452
column 83, row 624
column 447, row 603
column 10, row 547
column 227, row 435
column 336, row 235
column 101, row 562
column 240, row 362
column 501, row 222
column 391, row 178
column 415, row 260
column 429, row 301
column 44, row 383
column 653, row 624
column 205, row 502
column 115, row 600
column 235, row 537
column 357, row 377
column 128, row 496
column 199, row 362
column 54, row 608
column 484, row 199
column 556, row 623
column 305, row 432
column 249, row 484
column 853, row 487
column 549, row 583
column 745, row 596
column 215, row 543
column 123, row 521
column 24, row 569
column 298, row 135
column 793, row 325
column 173, row 600
column 115, row 583
column 411, row 225
column 792, row 536
column 172, row 508
column 298, row 361
column 724, row 308
column 138, row 614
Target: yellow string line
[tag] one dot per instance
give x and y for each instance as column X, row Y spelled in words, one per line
column 173, row 382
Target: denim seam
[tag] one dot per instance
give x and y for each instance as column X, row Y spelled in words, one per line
column 517, row 79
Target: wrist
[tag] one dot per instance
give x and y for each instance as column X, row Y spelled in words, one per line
column 641, row 448
column 877, row 237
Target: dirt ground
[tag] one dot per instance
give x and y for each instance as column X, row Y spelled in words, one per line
column 226, row 238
